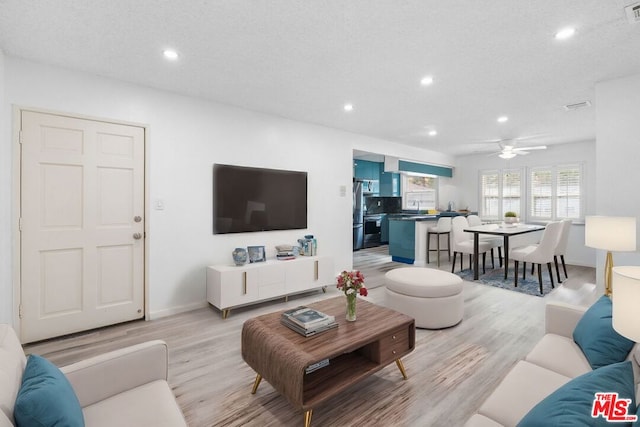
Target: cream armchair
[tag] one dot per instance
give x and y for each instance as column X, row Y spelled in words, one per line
column 126, row 387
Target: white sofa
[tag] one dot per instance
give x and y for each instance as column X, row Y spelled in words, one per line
column 554, row 361
column 126, row 387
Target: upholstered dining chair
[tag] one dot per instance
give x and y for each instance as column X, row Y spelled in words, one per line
column 561, row 248
column 474, row 220
column 538, row 254
column 462, row 243
column 496, row 242
column 443, row 226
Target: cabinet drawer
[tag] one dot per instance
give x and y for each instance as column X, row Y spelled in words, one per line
column 394, row 345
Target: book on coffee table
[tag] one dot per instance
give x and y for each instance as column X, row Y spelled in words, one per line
column 307, row 332
column 308, row 318
column 307, row 321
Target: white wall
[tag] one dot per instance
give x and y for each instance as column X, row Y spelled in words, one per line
column 6, row 288
column 618, row 153
column 186, row 136
column 467, row 182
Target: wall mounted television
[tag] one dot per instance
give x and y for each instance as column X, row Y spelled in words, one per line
column 247, row 199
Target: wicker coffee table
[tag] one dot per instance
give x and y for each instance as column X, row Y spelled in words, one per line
column 355, row 350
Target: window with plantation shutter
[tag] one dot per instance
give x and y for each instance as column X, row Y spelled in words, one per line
column 490, row 194
column 555, row 192
column 511, row 190
column 569, row 192
column 500, row 192
column 541, row 192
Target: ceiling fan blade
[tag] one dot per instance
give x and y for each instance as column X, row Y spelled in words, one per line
column 484, row 141
column 533, row 136
column 537, row 147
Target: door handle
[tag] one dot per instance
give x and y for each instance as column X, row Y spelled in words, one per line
column 137, row 236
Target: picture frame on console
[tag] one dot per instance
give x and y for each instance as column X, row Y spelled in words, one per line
column 256, row 254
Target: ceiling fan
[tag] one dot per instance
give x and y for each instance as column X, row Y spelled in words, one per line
column 509, row 148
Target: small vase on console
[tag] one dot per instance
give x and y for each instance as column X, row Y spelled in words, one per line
column 239, row 256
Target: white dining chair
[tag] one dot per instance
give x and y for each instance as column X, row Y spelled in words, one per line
column 538, row 254
column 561, row 248
column 443, row 226
column 496, row 242
column 474, row 220
column 462, row 243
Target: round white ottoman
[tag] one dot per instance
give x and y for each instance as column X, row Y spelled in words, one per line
column 432, row 297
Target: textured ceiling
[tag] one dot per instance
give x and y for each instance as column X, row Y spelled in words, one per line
column 304, row 59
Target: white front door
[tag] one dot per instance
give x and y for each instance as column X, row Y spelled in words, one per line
column 82, row 224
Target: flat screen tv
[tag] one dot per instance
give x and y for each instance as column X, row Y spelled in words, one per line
column 249, row 199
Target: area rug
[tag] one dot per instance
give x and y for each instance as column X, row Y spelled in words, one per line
column 495, row 277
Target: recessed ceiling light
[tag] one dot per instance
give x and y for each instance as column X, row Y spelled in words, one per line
column 170, row 54
column 348, row 107
column 565, row 33
column 502, row 119
column 426, row 80
column 433, row 133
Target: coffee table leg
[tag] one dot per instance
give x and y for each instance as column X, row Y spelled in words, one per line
column 401, row 367
column 256, row 383
column 307, row 417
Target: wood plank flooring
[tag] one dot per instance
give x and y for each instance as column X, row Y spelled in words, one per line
column 451, row 371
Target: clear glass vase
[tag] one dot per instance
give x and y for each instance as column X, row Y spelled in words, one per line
column 351, row 307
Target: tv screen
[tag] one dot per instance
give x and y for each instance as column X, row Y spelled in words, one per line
column 256, row 199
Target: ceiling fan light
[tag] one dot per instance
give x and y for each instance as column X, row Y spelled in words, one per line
column 565, row 33
column 507, row 155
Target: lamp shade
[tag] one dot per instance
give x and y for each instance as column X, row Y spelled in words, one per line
column 626, row 301
column 611, row 233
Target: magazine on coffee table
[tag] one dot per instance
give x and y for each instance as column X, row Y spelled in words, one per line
column 308, row 332
column 307, row 318
column 307, row 321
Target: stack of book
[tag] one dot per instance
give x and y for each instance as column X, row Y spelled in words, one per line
column 284, row 255
column 316, row 366
column 285, row 252
column 307, row 321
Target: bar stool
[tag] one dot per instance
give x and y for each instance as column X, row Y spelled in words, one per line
column 443, row 226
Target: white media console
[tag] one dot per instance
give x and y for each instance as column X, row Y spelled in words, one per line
column 231, row 286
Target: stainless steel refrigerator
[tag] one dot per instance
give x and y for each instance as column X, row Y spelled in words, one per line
column 358, row 215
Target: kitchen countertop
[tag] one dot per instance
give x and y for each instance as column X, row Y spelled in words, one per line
column 424, row 217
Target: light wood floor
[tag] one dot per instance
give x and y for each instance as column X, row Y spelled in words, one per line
column 451, row 371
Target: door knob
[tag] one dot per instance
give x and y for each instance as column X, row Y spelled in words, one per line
column 137, row 218
column 137, row 236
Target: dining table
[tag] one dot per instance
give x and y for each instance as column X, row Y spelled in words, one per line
column 504, row 230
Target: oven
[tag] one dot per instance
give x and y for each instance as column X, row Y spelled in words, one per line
column 372, row 228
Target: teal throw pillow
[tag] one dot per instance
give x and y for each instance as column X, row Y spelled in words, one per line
column 46, row 398
column 597, row 339
column 572, row 404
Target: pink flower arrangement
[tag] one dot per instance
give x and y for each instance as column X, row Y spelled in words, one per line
column 351, row 282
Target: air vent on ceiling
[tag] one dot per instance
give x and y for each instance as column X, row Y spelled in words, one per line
column 633, row 13
column 577, row 105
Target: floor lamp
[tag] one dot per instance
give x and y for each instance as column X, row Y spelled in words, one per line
column 626, row 301
column 611, row 233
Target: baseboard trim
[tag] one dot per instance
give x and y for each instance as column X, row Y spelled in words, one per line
column 176, row 310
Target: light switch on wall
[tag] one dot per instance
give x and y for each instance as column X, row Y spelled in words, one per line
column 158, row 204
column 343, row 191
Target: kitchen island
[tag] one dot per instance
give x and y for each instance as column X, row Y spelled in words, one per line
column 408, row 236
